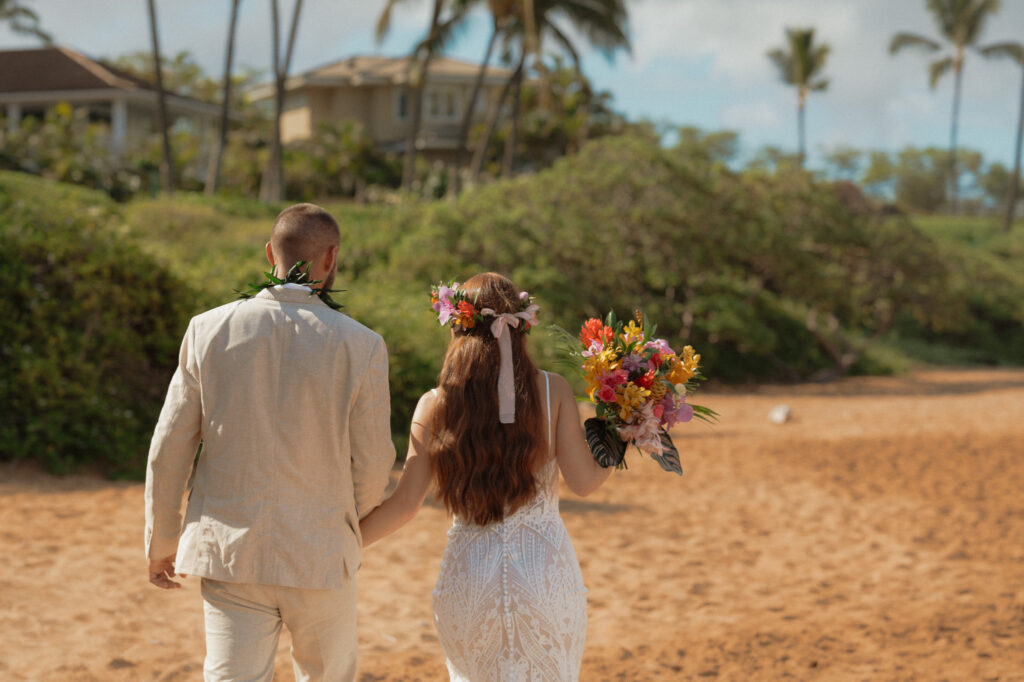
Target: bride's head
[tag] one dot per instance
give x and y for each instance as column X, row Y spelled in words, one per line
column 484, row 468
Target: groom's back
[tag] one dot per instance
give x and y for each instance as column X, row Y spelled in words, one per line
column 288, row 387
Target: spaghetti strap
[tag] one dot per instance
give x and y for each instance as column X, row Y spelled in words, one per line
column 547, row 389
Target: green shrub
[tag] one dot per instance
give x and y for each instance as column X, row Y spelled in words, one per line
column 770, row 276
column 91, row 328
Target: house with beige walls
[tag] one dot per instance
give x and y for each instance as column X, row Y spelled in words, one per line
column 374, row 91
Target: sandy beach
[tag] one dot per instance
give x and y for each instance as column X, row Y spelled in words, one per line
column 878, row 535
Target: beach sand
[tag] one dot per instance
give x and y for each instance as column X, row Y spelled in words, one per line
column 878, row 535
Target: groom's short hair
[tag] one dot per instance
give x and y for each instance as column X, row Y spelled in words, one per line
column 303, row 232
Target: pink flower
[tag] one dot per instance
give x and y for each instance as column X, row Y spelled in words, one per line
column 606, row 394
column 661, row 345
column 614, row 378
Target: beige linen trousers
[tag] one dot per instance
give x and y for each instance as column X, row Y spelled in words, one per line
column 290, row 401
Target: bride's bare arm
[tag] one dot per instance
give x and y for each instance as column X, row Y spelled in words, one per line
column 412, row 488
column 580, row 470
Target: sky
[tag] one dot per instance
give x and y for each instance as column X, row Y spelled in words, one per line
column 693, row 62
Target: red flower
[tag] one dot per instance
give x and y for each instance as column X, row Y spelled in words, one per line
column 594, row 330
column 467, row 314
column 646, row 381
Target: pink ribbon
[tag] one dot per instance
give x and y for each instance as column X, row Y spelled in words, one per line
column 506, row 377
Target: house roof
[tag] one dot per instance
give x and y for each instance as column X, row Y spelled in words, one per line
column 59, row 68
column 47, row 73
column 396, row 69
column 363, row 71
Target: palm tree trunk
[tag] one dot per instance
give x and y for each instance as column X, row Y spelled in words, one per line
column 217, row 153
column 167, row 164
column 512, row 141
column 415, row 121
column 800, row 106
column 958, row 72
column 467, row 117
column 492, row 122
column 1011, row 202
column 419, row 87
column 272, row 187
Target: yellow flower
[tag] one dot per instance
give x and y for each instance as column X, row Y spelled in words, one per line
column 682, row 369
column 630, row 397
column 598, row 365
column 690, row 360
column 632, row 332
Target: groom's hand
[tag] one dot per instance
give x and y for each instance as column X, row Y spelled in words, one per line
column 161, row 571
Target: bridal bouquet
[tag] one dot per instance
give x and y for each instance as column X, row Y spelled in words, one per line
column 638, row 385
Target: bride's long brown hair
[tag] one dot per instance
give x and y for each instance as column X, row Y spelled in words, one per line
column 485, row 469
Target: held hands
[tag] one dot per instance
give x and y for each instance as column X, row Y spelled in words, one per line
column 161, row 571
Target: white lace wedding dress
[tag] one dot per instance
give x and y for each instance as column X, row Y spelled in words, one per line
column 509, row 603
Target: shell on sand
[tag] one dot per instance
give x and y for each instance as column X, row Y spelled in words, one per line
column 880, row 536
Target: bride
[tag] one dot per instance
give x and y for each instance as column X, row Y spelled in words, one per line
column 509, row 603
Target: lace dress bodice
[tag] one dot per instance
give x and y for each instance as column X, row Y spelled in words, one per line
column 509, row 603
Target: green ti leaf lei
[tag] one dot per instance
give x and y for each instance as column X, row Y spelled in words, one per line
column 296, row 275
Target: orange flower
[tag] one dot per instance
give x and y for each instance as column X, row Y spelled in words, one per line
column 594, row 330
column 467, row 314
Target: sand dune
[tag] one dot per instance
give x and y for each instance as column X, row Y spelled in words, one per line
column 879, row 535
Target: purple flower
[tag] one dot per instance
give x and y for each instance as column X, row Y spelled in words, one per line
column 634, row 363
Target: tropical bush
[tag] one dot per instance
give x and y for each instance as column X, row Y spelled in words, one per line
column 90, row 330
column 771, row 275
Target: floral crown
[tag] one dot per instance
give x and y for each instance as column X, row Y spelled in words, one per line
column 455, row 309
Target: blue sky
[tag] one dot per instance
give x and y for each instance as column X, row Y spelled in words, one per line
column 694, row 62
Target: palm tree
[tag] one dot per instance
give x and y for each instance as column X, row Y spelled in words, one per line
column 217, row 154
column 22, row 20
column 167, row 164
column 440, row 32
column 1014, row 51
column 272, row 185
column 800, row 64
column 960, row 23
column 602, row 22
column 502, row 11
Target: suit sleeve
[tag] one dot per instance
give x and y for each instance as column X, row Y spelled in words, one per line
column 172, row 452
column 373, row 451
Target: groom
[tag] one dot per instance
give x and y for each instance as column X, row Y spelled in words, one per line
column 289, row 399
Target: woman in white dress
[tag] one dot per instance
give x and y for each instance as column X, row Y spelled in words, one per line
column 509, row 603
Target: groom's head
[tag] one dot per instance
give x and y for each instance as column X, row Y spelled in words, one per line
column 305, row 232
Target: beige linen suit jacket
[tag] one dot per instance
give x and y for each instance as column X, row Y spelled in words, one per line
column 290, row 401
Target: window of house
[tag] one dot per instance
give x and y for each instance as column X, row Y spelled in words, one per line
column 442, row 104
column 402, row 105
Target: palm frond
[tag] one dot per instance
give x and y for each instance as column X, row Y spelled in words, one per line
column 937, row 69
column 568, row 350
column 23, row 20
column 902, row 41
column 384, row 20
column 973, row 19
column 783, row 61
column 603, row 22
column 1014, row 51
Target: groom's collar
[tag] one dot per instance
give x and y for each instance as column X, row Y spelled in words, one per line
column 291, row 293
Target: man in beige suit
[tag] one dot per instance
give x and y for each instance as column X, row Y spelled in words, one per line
column 289, row 399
